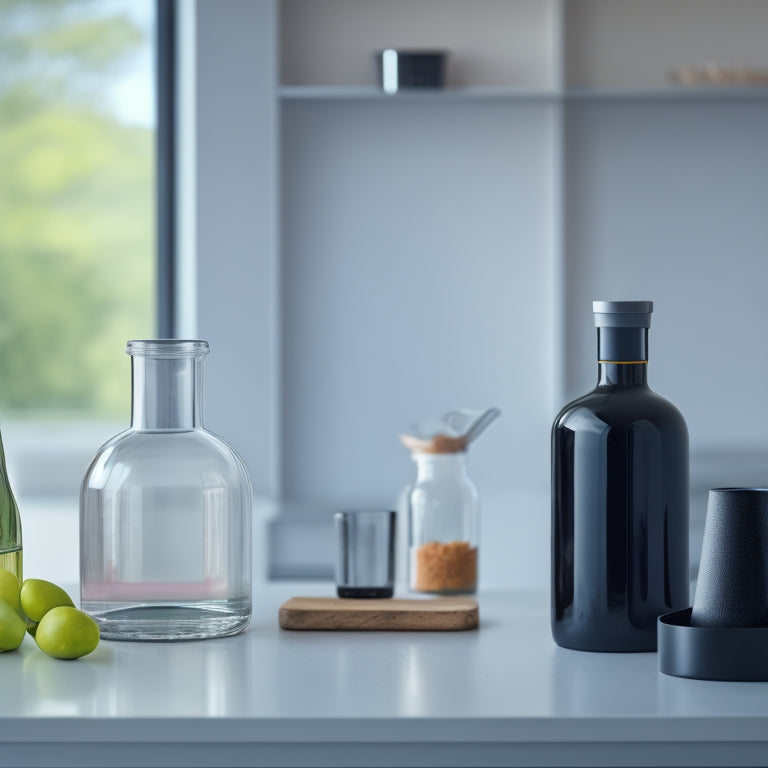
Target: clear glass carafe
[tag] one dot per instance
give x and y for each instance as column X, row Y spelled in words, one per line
column 165, row 512
column 444, row 511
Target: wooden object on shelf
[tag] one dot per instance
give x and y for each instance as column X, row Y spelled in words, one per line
column 395, row 614
column 719, row 74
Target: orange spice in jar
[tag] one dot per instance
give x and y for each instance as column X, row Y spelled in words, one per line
column 449, row 567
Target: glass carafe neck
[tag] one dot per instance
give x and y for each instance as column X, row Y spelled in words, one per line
column 167, row 382
column 622, row 356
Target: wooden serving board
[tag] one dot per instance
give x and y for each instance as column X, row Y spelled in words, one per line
column 334, row 613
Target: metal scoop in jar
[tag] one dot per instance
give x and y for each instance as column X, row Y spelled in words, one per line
column 451, row 433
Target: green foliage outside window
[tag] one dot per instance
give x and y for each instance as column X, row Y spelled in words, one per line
column 77, row 207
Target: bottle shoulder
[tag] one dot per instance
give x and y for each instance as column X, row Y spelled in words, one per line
column 138, row 440
column 193, row 452
column 620, row 407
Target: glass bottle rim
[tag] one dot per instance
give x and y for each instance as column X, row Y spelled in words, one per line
column 167, row 348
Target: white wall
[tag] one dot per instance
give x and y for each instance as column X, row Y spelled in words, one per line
column 668, row 201
column 236, row 237
column 420, row 265
column 407, row 291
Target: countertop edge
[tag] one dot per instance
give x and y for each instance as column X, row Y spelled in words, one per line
column 522, row 730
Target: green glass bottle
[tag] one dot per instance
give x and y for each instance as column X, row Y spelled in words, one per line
column 10, row 524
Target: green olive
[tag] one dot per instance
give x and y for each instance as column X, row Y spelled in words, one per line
column 39, row 596
column 12, row 628
column 9, row 589
column 66, row 633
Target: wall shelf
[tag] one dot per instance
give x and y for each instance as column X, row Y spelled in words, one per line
column 351, row 93
column 668, row 94
column 499, row 93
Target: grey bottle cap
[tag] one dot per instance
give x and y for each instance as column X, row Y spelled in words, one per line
column 622, row 314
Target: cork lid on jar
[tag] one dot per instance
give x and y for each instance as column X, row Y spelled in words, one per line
column 434, row 444
column 450, row 434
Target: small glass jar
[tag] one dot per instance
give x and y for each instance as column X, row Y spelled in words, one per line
column 444, row 513
column 165, row 512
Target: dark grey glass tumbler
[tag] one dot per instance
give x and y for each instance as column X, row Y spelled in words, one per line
column 365, row 561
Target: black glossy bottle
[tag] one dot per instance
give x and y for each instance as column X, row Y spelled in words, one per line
column 619, row 498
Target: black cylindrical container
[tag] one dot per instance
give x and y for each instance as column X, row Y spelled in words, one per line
column 619, row 498
column 732, row 588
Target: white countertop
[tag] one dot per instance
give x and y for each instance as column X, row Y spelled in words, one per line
column 501, row 695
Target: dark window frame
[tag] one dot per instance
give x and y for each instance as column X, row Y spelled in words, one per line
column 165, row 165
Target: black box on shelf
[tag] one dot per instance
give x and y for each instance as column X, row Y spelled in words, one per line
column 410, row 69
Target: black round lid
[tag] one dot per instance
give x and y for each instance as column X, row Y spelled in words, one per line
column 622, row 314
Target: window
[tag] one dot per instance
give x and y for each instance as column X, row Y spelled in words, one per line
column 76, row 203
column 77, row 229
